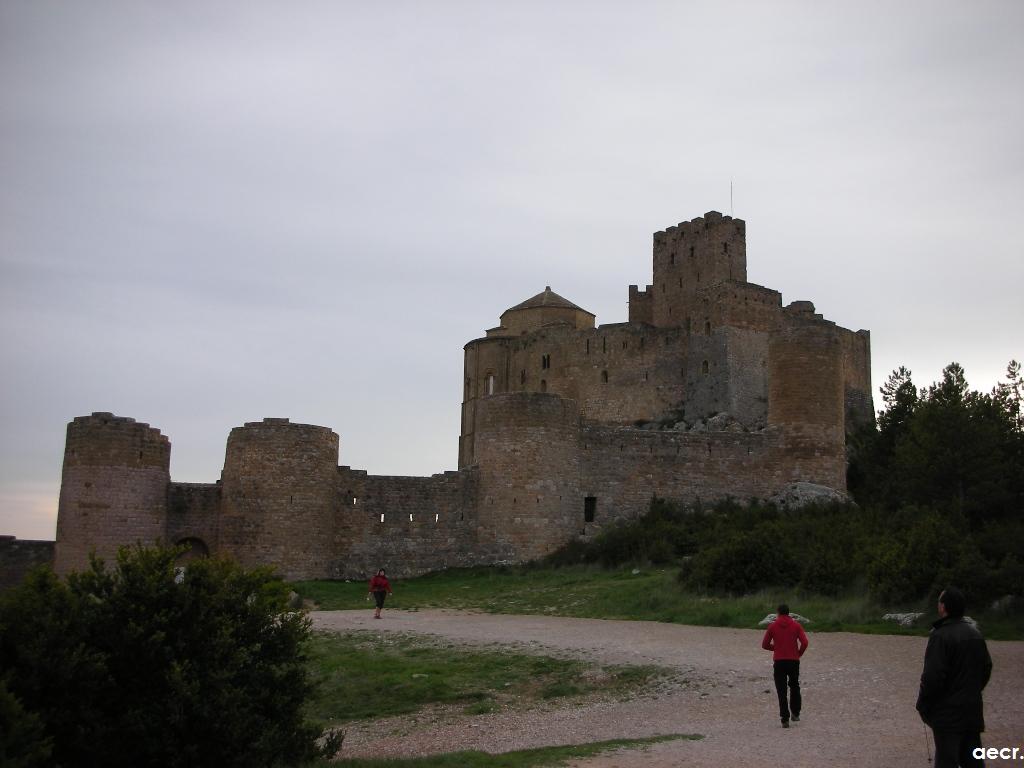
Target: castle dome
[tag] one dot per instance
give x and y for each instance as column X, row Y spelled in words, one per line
column 547, row 299
column 546, row 308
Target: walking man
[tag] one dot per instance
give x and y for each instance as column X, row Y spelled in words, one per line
column 787, row 639
column 956, row 669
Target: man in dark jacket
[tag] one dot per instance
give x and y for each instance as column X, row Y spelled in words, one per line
column 956, row 669
column 788, row 641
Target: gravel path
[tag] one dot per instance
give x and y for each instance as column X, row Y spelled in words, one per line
column 859, row 693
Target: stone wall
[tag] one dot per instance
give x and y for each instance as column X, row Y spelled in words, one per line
column 407, row 525
column 712, row 389
column 692, row 256
column 529, row 468
column 193, row 515
column 19, row 556
column 280, row 500
column 113, row 488
column 624, row 468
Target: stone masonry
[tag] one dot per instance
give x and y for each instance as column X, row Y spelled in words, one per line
column 713, row 388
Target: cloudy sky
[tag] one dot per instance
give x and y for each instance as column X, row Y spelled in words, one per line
column 214, row 212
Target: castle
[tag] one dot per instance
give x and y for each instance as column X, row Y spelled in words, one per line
column 712, row 388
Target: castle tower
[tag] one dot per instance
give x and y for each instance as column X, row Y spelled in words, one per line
column 113, row 488
column 528, row 452
column 280, row 497
column 486, row 369
column 806, row 397
column 688, row 258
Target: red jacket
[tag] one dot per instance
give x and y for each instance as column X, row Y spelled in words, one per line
column 786, row 637
column 380, row 584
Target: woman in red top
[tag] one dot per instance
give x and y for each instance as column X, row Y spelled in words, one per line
column 379, row 588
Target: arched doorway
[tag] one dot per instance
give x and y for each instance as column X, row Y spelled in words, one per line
column 196, row 549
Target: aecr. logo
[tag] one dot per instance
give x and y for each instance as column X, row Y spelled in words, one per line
column 997, row 753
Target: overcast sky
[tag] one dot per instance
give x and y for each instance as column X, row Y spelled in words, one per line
column 215, row 212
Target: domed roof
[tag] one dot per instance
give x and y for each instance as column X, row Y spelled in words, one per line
column 546, row 298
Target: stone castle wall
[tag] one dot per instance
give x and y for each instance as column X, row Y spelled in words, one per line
column 713, row 388
column 280, row 497
column 19, row 556
column 406, row 524
column 113, row 488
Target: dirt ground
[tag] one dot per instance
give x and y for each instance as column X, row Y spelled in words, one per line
column 858, row 691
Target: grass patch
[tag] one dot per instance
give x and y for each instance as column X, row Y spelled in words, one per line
column 367, row 675
column 527, row 758
column 648, row 595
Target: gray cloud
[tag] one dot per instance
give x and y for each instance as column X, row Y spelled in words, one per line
column 216, row 212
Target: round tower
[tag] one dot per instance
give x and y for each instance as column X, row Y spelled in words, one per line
column 113, row 488
column 528, row 453
column 280, row 497
column 806, row 399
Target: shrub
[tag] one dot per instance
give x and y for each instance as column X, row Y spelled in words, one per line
column 146, row 665
column 740, row 564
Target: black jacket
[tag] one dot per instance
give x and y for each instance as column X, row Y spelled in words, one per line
column 956, row 669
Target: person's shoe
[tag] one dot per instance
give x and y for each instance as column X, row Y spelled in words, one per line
column 796, row 718
column 785, row 723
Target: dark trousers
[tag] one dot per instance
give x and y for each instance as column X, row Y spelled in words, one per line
column 954, row 748
column 787, row 675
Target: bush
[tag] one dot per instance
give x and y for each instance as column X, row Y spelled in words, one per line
column 23, row 742
column 826, row 548
column 741, row 564
column 146, row 665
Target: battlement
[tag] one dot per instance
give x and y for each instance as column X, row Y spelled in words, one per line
column 690, row 257
column 711, row 220
column 106, row 419
column 641, row 304
column 103, row 439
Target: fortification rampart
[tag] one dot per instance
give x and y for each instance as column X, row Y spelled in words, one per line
column 408, row 525
column 280, row 497
column 691, row 256
column 19, row 556
column 624, row 468
column 193, row 516
column 528, row 461
column 712, row 389
column 113, row 488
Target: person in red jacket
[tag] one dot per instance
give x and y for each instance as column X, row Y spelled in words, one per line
column 379, row 588
column 787, row 639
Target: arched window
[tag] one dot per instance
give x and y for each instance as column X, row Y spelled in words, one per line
column 490, row 383
column 705, row 368
column 543, row 385
column 707, row 327
column 604, row 377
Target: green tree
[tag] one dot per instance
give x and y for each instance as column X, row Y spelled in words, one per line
column 147, row 664
column 873, row 447
column 23, row 742
column 1010, row 395
column 945, row 446
column 961, row 452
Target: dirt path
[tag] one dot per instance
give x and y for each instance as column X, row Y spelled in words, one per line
column 859, row 693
